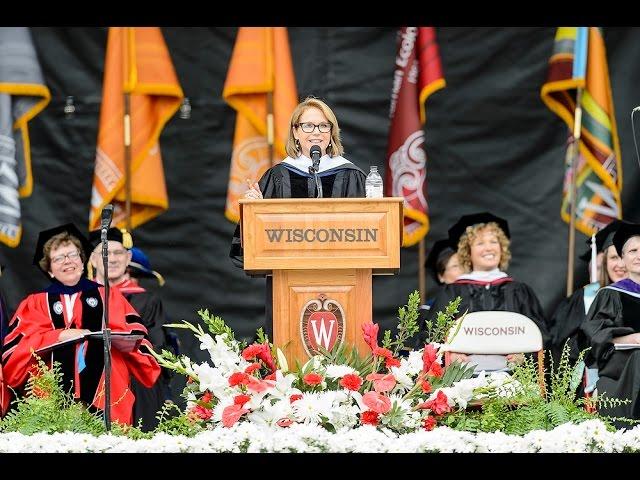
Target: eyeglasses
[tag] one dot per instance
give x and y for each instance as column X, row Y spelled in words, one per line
column 73, row 256
column 309, row 127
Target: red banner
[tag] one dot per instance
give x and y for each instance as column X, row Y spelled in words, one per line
column 418, row 73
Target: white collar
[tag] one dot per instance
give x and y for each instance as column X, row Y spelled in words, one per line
column 483, row 276
column 326, row 162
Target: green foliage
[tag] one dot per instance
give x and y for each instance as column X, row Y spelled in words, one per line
column 407, row 324
column 455, row 372
column 345, row 355
column 437, row 331
column 47, row 408
column 173, row 421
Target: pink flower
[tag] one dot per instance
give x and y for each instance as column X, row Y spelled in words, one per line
column 376, row 402
column 232, row 414
column 370, row 334
column 256, row 385
column 312, row 379
column 369, row 418
column 382, row 382
column 428, row 357
column 284, row 422
column 202, row 412
column 426, row 386
column 351, row 381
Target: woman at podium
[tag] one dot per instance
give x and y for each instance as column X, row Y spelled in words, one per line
column 313, row 146
column 55, row 322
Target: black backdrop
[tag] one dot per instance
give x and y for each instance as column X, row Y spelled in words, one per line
column 491, row 144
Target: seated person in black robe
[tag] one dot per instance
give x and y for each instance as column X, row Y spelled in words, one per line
column 613, row 325
column 149, row 400
column 312, row 123
column 572, row 311
column 483, row 251
column 443, row 265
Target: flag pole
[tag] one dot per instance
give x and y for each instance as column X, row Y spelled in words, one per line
column 575, row 151
column 422, row 278
column 270, row 127
column 127, row 158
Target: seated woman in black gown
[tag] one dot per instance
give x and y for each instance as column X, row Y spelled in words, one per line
column 483, row 251
column 613, row 325
column 312, row 123
column 572, row 311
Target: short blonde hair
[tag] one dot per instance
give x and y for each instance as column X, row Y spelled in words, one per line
column 335, row 146
column 470, row 234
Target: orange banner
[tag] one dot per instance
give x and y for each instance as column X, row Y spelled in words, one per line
column 138, row 63
column 260, row 72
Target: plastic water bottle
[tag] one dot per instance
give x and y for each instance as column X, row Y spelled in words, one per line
column 373, row 186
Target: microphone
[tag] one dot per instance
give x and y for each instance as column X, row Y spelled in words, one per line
column 316, row 153
column 107, row 215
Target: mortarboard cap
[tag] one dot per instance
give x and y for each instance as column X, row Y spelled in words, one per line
column 604, row 239
column 456, row 231
column 625, row 231
column 140, row 266
column 45, row 235
column 116, row 234
column 440, row 248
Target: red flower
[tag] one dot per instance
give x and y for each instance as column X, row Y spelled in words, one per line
column 284, row 422
column 351, row 381
column 376, row 402
column 435, row 370
column 252, row 368
column 429, row 423
column 312, row 379
column 251, row 351
column 383, row 352
column 232, row 414
column 382, row 382
column 206, row 398
column 438, row 405
column 426, row 386
column 429, row 355
column 271, row 376
column 370, row 334
column 295, row 397
column 369, row 418
column 256, row 385
column 241, row 399
column 238, row 378
column 392, row 362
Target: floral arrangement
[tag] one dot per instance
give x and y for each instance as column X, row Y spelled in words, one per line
column 336, row 390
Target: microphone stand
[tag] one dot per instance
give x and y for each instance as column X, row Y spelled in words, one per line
column 106, row 332
column 314, row 171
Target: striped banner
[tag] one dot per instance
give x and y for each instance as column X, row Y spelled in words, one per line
column 23, row 94
column 417, row 74
column 579, row 61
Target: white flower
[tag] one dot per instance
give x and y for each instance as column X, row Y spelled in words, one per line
column 212, row 379
column 338, row 371
column 309, row 408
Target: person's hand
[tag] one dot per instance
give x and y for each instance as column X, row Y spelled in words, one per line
column 71, row 333
column 517, row 358
column 631, row 338
column 253, row 191
column 460, row 357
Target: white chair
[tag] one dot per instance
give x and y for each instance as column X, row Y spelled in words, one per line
column 496, row 333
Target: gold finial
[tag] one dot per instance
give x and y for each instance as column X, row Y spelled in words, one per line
column 127, row 241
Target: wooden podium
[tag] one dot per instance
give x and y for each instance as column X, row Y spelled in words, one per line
column 322, row 254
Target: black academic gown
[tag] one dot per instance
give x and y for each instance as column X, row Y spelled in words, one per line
column 565, row 326
column 504, row 294
column 614, row 314
column 283, row 181
column 149, row 401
